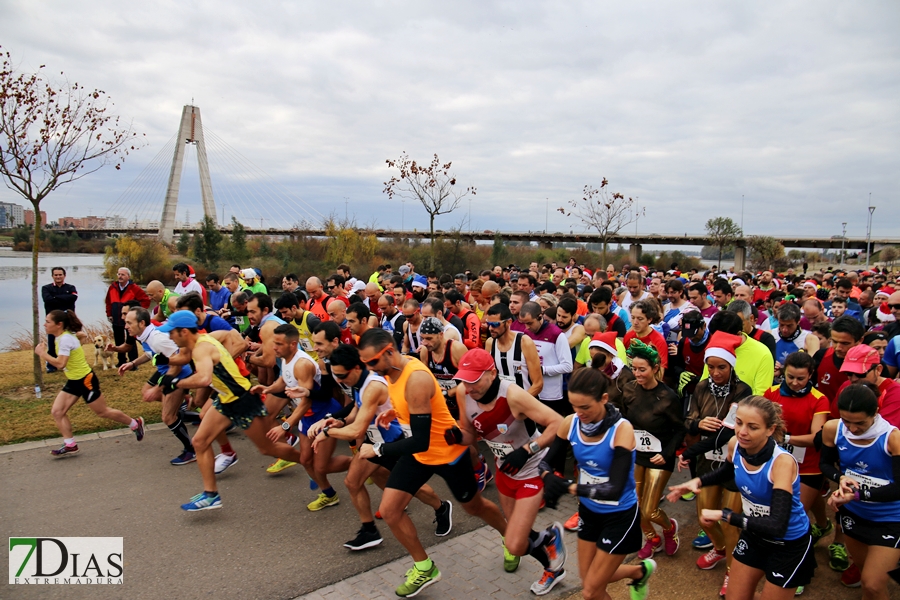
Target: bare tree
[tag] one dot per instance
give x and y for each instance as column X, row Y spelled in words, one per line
column 432, row 185
column 765, row 250
column 888, row 255
column 722, row 232
column 602, row 210
column 53, row 134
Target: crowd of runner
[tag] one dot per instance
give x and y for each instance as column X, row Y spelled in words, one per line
column 776, row 391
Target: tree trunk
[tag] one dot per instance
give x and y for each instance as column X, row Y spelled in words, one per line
column 603, row 253
column 35, row 321
column 431, row 225
column 720, row 258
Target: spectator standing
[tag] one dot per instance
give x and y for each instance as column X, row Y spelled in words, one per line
column 121, row 291
column 58, row 295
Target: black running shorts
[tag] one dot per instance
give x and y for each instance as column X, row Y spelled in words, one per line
column 409, row 475
column 870, row 533
column 88, row 387
column 615, row 533
column 242, row 411
column 787, row 563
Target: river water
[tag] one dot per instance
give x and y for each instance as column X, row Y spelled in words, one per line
column 84, row 271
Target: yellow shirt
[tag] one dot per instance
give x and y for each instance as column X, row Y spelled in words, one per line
column 68, row 345
column 226, row 378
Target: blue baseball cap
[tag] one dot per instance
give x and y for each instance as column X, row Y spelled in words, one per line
column 181, row 318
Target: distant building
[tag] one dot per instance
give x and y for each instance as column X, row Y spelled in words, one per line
column 116, row 222
column 11, row 215
column 29, row 217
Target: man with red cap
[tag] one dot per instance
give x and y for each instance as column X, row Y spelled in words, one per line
column 496, row 410
column 863, row 365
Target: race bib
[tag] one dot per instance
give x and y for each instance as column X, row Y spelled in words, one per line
column 728, row 421
column 508, row 378
column 646, row 441
column 798, row 453
column 752, row 509
column 500, row 449
column 865, row 481
column 304, row 343
column 716, row 454
column 239, row 320
column 589, row 479
column 374, row 434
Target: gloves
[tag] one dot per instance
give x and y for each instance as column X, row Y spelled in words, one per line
column 167, row 383
column 453, row 436
column 684, row 380
column 514, row 461
column 161, row 359
column 554, row 488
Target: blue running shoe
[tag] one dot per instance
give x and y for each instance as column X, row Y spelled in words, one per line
column 555, row 546
column 203, row 501
column 184, row 458
column 702, row 541
column 313, row 485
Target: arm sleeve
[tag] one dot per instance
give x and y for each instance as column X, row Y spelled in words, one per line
column 472, row 331
column 829, row 461
column 618, row 475
column 564, row 355
column 772, row 526
column 723, row 474
column 344, row 412
column 559, row 445
column 885, row 493
column 312, row 321
column 419, row 441
column 711, row 442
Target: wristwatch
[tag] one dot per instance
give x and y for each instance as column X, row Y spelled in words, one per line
column 376, row 448
column 534, row 447
column 325, row 430
column 285, row 426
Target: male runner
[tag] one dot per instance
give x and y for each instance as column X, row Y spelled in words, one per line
column 262, row 353
column 164, row 298
column 514, row 353
column 288, row 306
column 234, row 404
column 369, row 393
column 391, row 318
column 419, row 403
column 412, row 319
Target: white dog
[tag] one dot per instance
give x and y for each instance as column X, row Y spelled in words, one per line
column 101, row 353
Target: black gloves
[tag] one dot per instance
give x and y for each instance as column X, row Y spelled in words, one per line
column 167, row 383
column 554, row 488
column 453, row 436
column 514, row 461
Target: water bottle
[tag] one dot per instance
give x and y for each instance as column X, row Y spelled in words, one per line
column 37, row 392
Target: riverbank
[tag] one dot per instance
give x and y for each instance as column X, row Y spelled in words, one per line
column 26, row 418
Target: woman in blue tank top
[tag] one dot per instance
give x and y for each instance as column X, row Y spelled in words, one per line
column 775, row 539
column 861, row 452
column 604, row 447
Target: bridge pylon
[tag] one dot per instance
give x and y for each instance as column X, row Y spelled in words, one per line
column 190, row 131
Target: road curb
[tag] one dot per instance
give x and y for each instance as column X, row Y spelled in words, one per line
column 87, row 437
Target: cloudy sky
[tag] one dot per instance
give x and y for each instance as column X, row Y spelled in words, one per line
column 685, row 105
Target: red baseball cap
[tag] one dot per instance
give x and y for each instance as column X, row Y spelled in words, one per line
column 474, row 363
column 860, row 359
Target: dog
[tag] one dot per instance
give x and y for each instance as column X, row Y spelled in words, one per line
column 101, row 353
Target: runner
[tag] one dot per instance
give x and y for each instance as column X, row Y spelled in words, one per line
column 504, row 416
column 607, row 498
column 391, row 318
column 288, row 306
column 158, row 348
column 81, row 382
column 775, row 541
column 657, row 415
column 262, row 351
column 643, row 314
column 636, row 292
column 790, row 338
column 369, row 393
column 514, row 353
column 418, row 403
column 860, row 453
column 300, row 383
column 412, row 316
column 164, row 298
column 234, row 404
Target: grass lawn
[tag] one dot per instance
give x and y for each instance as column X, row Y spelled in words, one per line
column 23, row 417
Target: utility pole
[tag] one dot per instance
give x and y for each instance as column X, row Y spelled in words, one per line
column 547, row 216
column 346, row 208
column 402, row 213
column 742, row 215
column 869, row 232
column 843, row 239
column 470, row 214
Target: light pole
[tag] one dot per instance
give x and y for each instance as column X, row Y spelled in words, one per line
column 547, row 216
column 843, row 239
column 224, row 206
column 869, row 232
column 402, row 213
column 346, row 208
column 470, row 214
column 742, row 215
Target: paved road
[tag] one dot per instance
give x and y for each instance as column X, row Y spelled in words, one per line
column 264, row 543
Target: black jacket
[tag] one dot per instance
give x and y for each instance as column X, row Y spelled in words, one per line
column 59, row 297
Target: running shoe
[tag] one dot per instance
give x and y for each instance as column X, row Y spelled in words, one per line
column 510, row 561
column 364, row 539
column 851, row 577
column 139, row 430
column 573, row 523
column 417, row 580
column 291, row 440
column 711, row 559
column 313, row 485
column 799, row 590
column 185, row 458
column 378, row 515
column 670, row 539
column 555, row 546
column 279, row 465
column 689, row 497
column 638, row 588
column 651, row 545
column 224, row 461
column 547, row 581
column 65, row 450
column 702, row 541
column 819, row 532
column 724, row 590
column 203, row 501
column 483, row 475
column 323, row 501
column 837, row 557
column 443, row 519
column 51, row 369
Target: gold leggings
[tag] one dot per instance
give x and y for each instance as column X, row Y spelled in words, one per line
column 722, row 536
column 650, row 485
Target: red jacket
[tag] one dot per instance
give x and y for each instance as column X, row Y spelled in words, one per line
column 115, row 298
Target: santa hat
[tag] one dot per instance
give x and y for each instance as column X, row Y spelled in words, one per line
column 604, row 341
column 191, row 272
column 723, row 345
column 884, row 313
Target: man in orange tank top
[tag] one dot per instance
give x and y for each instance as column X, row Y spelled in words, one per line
column 419, row 406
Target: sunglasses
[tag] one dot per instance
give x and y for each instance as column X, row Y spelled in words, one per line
column 374, row 360
column 495, row 324
column 894, row 306
column 329, row 287
column 341, row 376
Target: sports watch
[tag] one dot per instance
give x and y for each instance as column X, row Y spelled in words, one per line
column 285, row 426
column 376, row 448
column 534, row 447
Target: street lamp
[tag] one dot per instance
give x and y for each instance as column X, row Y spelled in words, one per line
column 843, row 239
column 869, row 232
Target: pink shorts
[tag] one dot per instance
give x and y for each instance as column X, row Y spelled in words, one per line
column 518, row 488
